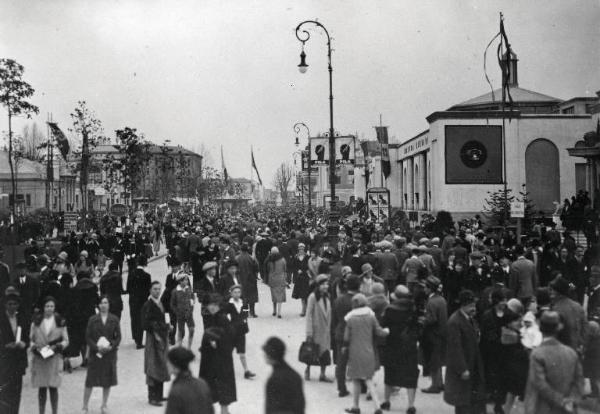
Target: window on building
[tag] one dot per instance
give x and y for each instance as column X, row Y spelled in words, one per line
column 569, row 110
column 28, row 200
column 416, row 200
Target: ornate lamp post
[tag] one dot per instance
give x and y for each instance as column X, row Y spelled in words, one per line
column 303, row 36
column 297, row 126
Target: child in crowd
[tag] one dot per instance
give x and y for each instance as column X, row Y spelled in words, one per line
column 182, row 305
column 237, row 312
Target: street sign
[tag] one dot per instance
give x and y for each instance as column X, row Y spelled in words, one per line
column 70, row 221
column 517, row 209
column 378, row 204
column 118, row 210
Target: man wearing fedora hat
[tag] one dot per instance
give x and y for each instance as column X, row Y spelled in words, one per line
column 14, row 340
column 208, row 285
column 433, row 341
column 571, row 313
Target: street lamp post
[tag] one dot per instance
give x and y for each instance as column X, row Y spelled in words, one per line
column 303, row 36
column 297, row 126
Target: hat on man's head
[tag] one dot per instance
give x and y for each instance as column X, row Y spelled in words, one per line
column 400, row 291
column 11, row 293
column 432, row 282
column 180, row 357
column 231, row 263
column 366, row 267
column 63, row 256
column 274, row 348
column 550, row 323
column 560, row 285
column 209, row 265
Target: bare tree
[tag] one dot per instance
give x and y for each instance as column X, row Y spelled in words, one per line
column 281, row 182
column 33, row 143
column 14, row 92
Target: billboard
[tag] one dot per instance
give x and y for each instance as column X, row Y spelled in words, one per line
column 378, row 204
column 473, row 154
column 344, row 150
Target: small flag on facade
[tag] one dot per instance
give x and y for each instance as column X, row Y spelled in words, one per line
column 61, row 140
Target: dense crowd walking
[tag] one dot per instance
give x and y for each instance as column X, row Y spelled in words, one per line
column 491, row 320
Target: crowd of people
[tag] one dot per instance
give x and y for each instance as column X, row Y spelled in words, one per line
column 491, row 310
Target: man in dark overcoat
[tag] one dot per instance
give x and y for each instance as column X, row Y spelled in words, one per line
column 433, row 342
column 157, row 347
column 248, row 274
column 13, row 352
column 138, row 286
column 464, row 386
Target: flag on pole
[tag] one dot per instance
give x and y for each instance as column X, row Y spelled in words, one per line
column 225, row 175
column 49, row 165
column 61, row 140
column 254, row 166
column 504, row 62
column 382, row 137
column 364, row 147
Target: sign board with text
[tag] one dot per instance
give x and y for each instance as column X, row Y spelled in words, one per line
column 517, row 209
column 70, row 220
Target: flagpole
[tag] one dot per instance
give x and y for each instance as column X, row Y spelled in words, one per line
column 502, row 106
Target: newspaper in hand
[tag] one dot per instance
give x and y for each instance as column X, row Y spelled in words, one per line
column 102, row 344
column 46, row 352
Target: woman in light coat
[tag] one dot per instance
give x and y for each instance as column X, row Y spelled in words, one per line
column 361, row 329
column 277, row 268
column 318, row 324
column 48, row 338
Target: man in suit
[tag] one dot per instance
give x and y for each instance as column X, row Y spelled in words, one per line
column 523, row 279
column 464, row 385
column 29, row 289
column 555, row 381
column 284, row 393
column 14, row 340
column 4, row 273
column 593, row 307
column 207, row 285
column 413, row 267
column 138, row 288
column 248, row 268
column 571, row 314
column 433, row 343
column 388, row 266
column 229, row 277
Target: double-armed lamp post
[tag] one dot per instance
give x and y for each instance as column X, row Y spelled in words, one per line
column 303, row 36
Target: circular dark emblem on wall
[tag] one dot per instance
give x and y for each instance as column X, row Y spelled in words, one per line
column 473, row 154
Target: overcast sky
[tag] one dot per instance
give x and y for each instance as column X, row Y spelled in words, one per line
column 225, row 72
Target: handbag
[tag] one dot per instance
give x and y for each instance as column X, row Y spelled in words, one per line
column 309, row 353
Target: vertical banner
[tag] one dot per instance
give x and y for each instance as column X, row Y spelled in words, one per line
column 344, row 150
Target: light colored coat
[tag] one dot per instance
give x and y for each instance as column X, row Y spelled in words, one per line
column 554, row 374
column 46, row 372
column 361, row 329
column 318, row 322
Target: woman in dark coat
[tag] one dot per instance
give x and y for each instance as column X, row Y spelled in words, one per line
column 301, row 277
column 103, row 336
column 111, row 285
column 400, row 353
column 216, row 362
column 84, row 302
column 188, row 395
column 515, row 360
